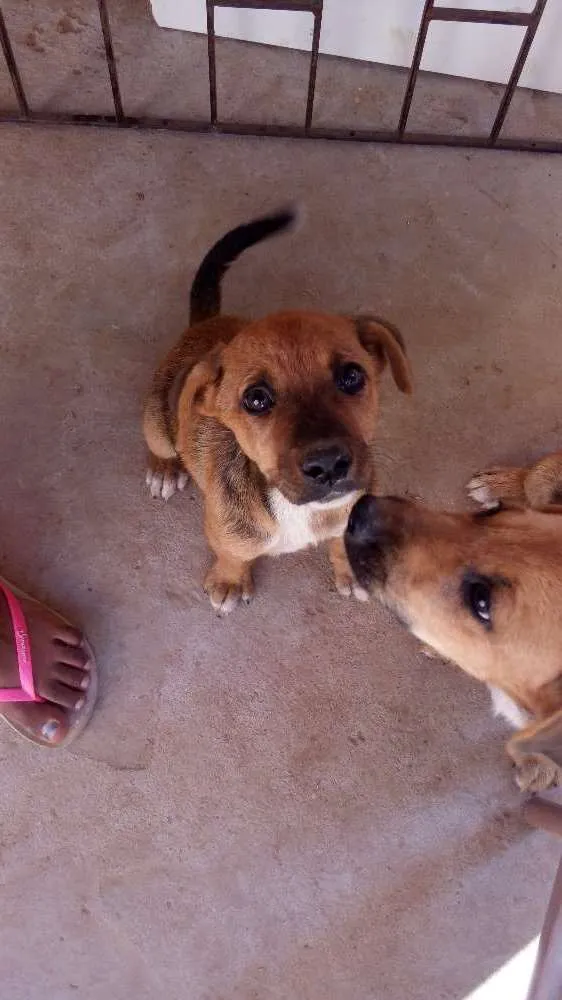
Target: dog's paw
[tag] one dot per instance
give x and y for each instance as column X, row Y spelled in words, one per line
column 536, row 773
column 164, row 477
column 485, row 489
column 225, row 594
column 347, row 586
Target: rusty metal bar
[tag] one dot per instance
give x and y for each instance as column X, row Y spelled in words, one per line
column 481, row 16
column 212, row 59
column 13, row 68
column 415, row 66
column 110, row 59
column 313, row 66
column 314, row 7
column 311, row 7
column 257, row 129
column 509, row 91
column 543, row 815
column 546, row 983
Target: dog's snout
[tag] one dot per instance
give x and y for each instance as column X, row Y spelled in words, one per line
column 327, row 466
column 365, row 521
column 377, row 520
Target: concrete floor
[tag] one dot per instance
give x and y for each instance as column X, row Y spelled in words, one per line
column 293, row 802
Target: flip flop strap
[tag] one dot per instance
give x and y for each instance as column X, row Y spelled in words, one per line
column 23, row 652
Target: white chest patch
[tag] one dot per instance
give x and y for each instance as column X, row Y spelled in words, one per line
column 295, row 522
column 508, row 709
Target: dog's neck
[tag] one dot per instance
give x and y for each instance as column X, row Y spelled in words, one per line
column 300, row 525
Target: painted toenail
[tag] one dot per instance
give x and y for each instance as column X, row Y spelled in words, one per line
column 79, row 704
column 84, row 683
column 50, row 729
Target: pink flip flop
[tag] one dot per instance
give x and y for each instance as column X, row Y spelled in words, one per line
column 26, row 692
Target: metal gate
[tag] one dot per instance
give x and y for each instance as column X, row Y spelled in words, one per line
column 213, row 124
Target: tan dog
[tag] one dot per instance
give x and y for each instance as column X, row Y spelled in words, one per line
column 484, row 591
column 274, row 419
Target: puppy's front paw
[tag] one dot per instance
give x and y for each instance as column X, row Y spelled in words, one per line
column 486, row 488
column 499, row 486
column 536, row 773
column 347, row 586
column 225, row 591
column 164, row 477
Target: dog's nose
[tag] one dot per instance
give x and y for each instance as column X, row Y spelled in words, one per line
column 376, row 520
column 327, row 466
column 365, row 521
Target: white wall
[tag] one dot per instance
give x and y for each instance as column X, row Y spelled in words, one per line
column 385, row 31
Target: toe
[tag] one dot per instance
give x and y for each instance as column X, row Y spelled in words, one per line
column 60, row 694
column 230, row 600
column 69, row 635
column 224, row 597
column 73, row 656
column 154, row 481
column 78, row 680
column 41, row 722
column 169, row 485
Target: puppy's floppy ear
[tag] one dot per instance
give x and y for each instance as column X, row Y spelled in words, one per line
column 384, row 342
column 203, row 381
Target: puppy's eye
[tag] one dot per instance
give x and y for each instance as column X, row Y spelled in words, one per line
column 350, row 378
column 258, row 398
column 477, row 597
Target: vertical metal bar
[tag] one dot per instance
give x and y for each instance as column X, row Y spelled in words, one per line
column 313, row 65
column 110, row 59
column 212, row 58
column 546, row 983
column 517, row 69
column 415, row 66
column 12, row 67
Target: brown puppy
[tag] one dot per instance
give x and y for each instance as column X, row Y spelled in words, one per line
column 274, row 419
column 484, row 591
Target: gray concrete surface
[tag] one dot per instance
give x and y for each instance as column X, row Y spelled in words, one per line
column 293, row 803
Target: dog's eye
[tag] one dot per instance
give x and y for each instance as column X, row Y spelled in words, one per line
column 258, row 398
column 477, row 596
column 350, row 378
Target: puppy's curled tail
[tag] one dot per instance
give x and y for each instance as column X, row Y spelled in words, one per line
column 205, row 300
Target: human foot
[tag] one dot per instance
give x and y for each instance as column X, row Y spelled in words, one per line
column 64, row 675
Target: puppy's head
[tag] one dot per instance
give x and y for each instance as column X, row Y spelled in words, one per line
column 300, row 393
column 484, row 590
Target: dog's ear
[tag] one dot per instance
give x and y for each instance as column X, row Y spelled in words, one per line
column 203, row 381
column 384, row 342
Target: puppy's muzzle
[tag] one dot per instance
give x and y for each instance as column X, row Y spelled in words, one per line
column 372, row 537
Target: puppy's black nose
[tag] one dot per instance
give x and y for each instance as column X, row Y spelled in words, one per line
column 327, row 466
column 365, row 521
